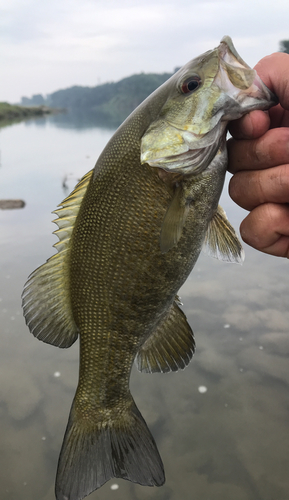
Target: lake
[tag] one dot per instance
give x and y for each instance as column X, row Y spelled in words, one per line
column 221, row 425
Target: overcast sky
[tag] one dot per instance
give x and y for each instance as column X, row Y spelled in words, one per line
column 46, row 45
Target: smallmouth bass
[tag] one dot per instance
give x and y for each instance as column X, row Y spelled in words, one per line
column 129, row 235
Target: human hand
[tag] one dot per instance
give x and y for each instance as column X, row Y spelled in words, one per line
column 259, row 159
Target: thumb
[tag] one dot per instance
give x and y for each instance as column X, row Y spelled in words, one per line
column 274, row 72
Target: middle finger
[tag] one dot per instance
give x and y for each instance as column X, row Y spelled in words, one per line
column 269, row 150
column 250, row 189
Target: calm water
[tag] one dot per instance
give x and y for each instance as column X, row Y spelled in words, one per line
column 228, row 443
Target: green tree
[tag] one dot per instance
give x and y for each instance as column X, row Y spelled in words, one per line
column 284, row 46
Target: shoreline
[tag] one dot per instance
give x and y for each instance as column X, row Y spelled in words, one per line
column 10, row 113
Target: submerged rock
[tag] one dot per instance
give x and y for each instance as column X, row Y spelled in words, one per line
column 8, row 204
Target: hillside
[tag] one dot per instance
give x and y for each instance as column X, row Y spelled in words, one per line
column 108, row 103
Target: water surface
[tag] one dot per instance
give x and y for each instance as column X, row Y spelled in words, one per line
column 228, row 443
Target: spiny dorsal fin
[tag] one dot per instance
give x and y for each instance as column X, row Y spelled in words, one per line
column 174, row 221
column 170, row 347
column 45, row 299
column 221, row 240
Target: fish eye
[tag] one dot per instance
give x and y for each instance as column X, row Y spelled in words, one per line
column 191, row 84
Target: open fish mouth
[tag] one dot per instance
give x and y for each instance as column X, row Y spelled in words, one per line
column 240, row 82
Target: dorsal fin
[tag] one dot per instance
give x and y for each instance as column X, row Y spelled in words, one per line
column 46, row 297
column 221, row 240
column 170, row 347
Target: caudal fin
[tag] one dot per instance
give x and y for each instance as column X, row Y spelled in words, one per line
column 92, row 454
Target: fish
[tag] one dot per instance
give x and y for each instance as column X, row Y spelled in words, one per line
column 129, row 235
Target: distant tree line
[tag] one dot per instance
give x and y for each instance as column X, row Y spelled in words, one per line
column 284, row 46
column 109, row 103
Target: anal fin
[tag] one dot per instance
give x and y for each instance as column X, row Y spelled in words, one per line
column 170, row 347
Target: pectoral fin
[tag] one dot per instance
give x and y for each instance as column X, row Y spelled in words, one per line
column 221, row 240
column 174, row 221
column 170, row 347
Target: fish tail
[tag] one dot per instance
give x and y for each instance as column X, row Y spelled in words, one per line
column 91, row 454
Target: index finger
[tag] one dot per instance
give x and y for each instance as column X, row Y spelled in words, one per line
column 274, row 72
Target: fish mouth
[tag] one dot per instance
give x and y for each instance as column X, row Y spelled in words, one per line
column 241, row 82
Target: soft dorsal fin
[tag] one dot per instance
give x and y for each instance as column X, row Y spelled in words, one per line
column 170, row 347
column 174, row 221
column 46, row 299
column 221, row 240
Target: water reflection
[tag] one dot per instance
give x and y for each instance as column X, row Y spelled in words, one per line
column 78, row 120
column 229, row 442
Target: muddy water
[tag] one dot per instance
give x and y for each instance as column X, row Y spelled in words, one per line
column 221, row 425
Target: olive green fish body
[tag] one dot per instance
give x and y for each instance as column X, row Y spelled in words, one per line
column 129, row 236
column 125, row 284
